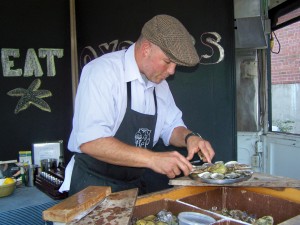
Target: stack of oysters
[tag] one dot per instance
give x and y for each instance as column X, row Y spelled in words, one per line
column 221, row 171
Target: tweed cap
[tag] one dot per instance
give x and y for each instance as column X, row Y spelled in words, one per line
column 171, row 36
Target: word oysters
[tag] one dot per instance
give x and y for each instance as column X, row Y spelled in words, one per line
column 222, row 173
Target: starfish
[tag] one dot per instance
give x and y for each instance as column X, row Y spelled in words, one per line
column 31, row 96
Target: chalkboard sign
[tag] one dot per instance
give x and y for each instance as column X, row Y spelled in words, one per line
column 35, row 65
column 35, row 76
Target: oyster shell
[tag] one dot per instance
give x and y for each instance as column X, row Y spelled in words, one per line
column 244, row 216
column 217, row 176
column 244, row 172
column 266, row 220
column 232, row 175
column 231, row 163
column 220, row 170
column 205, row 175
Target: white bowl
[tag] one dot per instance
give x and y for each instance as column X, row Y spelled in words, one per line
column 193, row 218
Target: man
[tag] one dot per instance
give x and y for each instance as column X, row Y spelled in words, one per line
column 124, row 105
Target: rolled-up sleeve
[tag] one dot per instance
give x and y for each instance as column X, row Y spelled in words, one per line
column 95, row 107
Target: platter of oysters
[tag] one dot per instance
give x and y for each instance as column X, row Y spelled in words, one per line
column 221, row 173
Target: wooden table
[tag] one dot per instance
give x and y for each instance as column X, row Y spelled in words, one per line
column 256, row 180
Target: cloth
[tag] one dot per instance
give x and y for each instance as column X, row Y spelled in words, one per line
column 171, row 36
column 136, row 129
column 101, row 102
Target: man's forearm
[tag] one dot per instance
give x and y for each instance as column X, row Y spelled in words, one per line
column 113, row 151
column 178, row 136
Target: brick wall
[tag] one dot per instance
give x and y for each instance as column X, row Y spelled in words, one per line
column 286, row 65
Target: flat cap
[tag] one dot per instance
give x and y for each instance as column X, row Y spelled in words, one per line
column 171, row 36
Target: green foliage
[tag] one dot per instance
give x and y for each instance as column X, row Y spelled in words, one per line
column 284, row 125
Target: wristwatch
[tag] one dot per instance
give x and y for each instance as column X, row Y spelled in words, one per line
column 191, row 134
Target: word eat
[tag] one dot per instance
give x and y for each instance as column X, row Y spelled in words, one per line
column 32, row 64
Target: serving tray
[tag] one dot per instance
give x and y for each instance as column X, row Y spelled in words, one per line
column 221, row 181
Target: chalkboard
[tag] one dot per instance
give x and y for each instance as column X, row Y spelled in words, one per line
column 205, row 94
column 35, row 76
column 34, row 33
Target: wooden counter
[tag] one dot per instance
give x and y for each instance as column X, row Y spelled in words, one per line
column 256, row 180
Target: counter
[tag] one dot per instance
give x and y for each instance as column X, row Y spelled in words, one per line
column 24, row 206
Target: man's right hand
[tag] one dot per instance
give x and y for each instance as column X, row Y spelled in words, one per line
column 171, row 164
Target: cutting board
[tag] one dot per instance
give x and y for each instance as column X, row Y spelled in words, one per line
column 77, row 204
column 256, row 180
column 117, row 208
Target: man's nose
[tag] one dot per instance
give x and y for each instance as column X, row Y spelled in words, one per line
column 171, row 69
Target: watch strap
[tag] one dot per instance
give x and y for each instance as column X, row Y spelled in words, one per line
column 191, row 134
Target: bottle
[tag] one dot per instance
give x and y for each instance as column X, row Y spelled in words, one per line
column 61, row 163
column 22, row 170
column 30, row 176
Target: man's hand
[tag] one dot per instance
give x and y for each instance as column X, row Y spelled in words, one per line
column 196, row 144
column 171, row 164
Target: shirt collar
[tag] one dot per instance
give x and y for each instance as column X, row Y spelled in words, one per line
column 132, row 71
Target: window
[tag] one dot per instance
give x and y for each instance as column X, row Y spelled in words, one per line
column 285, row 73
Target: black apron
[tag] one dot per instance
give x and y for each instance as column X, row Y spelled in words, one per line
column 136, row 129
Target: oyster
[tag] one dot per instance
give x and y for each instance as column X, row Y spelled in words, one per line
column 163, row 217
column 203, row 168
column 244, row 172
column 245, row 217
column 207, row 165
column 234, row 165
column 232, row 175
column 205, row 175
column 242, row 167
column 266, row 220
column 231, row 163
column 218, row 168
column 217, row 176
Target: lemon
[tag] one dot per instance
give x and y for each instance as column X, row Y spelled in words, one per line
column 9, row 181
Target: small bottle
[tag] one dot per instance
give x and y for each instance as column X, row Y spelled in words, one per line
column 22, row 170
column 30, row 176
column 61, row 163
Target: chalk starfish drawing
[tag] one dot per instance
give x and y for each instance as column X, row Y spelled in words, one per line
column 31, row 96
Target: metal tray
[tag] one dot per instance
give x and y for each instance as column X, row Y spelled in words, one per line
column 222, row 181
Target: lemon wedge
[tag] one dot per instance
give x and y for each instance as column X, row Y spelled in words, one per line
column 9, row 180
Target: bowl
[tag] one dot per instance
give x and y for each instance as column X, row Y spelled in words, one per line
column 6, row 189
column 194, row 218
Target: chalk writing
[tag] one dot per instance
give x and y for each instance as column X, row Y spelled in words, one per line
column 209, row 39
column 32, row 64
column 89, row 53
column 213, row 41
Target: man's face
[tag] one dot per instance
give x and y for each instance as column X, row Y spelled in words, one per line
column 158, row 66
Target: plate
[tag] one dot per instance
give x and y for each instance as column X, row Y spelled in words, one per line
column 222, row 181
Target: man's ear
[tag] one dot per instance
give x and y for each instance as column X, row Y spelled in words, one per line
column 146, row 47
